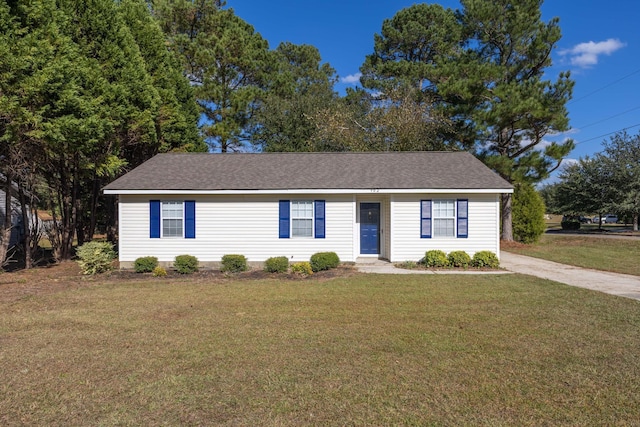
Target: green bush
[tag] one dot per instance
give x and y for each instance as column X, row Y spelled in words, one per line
column 303, row 268
column 234, row 263
column 570, row 224
column 435, row 258
column 528, row 214
column 279, row 264
column 185, row 264
column 95, row 257
column 485, row 259
column 459, row 259
column 159, row 272
column 324, row 261
column 145, row 264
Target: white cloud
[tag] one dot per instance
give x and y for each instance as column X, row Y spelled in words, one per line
column 586, row 54
column 351, row 79
column 544, row 143
column 569, row 162
column 571, row 131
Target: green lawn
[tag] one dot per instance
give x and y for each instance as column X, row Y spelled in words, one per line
column 600, row 253
column 360, row 350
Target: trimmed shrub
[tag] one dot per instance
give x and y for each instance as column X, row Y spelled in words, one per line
column 279, row 264
column 159, row 272
column 303, row 268
column 435, row 258
column 95, row 257
column 185, row 264
column 145, row 264
column 570, row 224
column 324, row 261
column 234, row 263
column 528, row 214
column 485, row 259
column 459, row 259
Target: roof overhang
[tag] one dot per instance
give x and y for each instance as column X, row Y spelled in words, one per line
column 319, row 191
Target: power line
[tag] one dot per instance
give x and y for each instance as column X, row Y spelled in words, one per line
column 607, row 134
column 609, row 118
column 604, row 87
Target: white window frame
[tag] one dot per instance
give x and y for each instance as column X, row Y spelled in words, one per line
column 436, row 216
column 293, row 218
column 163, row 218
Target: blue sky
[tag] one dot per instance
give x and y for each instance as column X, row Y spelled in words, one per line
column 600, row 46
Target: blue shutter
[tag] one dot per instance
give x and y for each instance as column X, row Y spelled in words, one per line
column 319, row 219
column 284, row 219
column 463, row 218
column 190, row 219
column 154, row 219
column 425, row 219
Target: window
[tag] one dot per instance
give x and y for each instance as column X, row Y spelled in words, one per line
column 172, row 217
column 302, row 218
column 444, row 218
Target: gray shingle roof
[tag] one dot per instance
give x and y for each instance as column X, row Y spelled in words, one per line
column 306, row 171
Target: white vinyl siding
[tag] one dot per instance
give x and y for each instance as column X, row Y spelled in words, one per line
column 249, row 225
column 234, row 224
column 406, row 244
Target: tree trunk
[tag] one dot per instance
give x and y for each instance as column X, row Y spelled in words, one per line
column 26, row 228
column 507, row 219
column 111, row 210
column 635, row 221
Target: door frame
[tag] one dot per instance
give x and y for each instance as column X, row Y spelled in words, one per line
column 380, row 223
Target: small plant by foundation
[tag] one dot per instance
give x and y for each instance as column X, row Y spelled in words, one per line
column 159, row 272
column 302, row 268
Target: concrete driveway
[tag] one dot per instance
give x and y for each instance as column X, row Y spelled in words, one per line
column 623, row 285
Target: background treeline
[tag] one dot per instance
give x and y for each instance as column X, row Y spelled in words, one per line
column 90, row 89
column 605, row 183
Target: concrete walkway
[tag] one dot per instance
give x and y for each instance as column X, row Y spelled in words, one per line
column 385, row 267
column 623, row 285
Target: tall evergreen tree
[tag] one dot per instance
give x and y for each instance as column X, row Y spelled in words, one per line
column 513, row 106
column 81, row 102
column 408, row 58
column 177, row 118
column 299, row 86
column 225, row 60
column 484, row 67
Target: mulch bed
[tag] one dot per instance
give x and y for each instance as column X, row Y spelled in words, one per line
column 66, row 275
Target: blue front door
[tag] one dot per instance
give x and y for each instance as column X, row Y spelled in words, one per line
column 369, row 228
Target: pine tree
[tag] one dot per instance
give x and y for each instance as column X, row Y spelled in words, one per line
column 510, row 103
column 297, row 88
column 225, row 60
column 482, row 66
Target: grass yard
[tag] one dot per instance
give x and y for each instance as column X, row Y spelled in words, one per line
column 600, row 253
column 358, row 350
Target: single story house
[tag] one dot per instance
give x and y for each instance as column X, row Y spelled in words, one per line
column 391, row 205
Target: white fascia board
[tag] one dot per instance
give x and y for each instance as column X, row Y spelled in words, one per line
column 318, row 191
